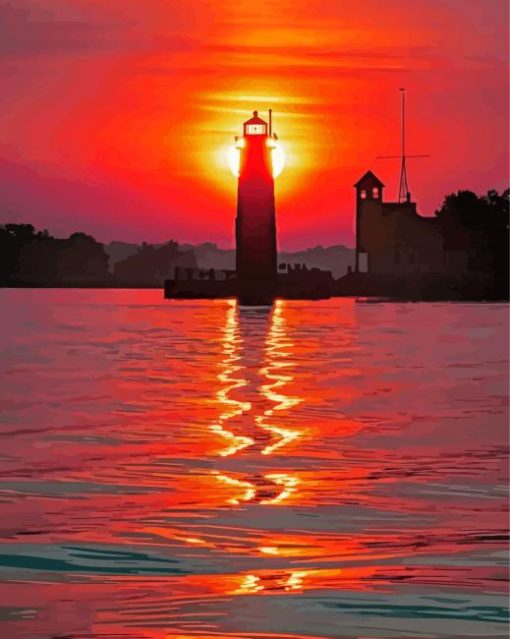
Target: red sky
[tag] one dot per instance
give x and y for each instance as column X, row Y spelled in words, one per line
column 116, row 114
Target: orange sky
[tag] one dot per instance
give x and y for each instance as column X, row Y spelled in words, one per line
column 116, row 115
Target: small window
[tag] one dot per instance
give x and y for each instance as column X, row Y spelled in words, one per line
column 256, row 129
column 363, row 262
column 375, row 192
column 363, row 195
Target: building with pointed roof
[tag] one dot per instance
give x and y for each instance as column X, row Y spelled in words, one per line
column 392, row 239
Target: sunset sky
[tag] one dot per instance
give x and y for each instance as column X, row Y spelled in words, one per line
column 116, row 115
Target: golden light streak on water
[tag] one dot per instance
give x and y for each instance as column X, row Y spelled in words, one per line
column 249, row 585
column 230, row 342
column 278, row 346
column 269, row 550
column 249, row 492
column 287, row 481
column 295, row 581
column 272, row 583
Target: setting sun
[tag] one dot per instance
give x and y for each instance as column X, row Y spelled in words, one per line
column 277, row 157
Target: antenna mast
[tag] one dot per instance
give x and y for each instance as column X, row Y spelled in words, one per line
column 403, row 191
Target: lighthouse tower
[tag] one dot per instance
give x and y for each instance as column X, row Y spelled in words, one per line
column 256, row 269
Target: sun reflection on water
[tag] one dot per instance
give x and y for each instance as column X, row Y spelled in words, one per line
column 284, row 581
column 228, row 368
column 278, row 347
column 276, row 373
column 249, row 489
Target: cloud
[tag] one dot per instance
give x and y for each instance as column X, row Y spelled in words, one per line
column 329, row 60
column 27, row 31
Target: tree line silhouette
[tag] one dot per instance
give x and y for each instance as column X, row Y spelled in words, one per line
column 478, row 227
column 475, row 226
column 35, row 258
column 31, row 257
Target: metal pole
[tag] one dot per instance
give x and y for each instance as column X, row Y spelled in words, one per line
column 403, row 91
column 403, row 194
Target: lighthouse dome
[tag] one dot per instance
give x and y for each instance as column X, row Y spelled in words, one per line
column 255, row 125
column 255, row 119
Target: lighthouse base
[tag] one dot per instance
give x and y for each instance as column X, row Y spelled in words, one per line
column 256, row 292
column 297, row 284
column 256, row 299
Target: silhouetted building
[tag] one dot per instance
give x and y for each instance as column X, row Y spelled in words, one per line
column 391, row 238
column 256, row 219
column 460, row 253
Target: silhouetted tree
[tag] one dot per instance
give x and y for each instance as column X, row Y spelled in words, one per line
column 479, row 227
column 151, row 265
column 13, row 237
column 32, row 257
column 38, row 261
column 82, row 259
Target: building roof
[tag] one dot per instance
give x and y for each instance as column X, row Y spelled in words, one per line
column 255, row 119
column 369, row 178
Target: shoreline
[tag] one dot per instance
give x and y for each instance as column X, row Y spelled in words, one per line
column 369, row 298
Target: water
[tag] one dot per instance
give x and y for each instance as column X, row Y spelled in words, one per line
column 175, row 469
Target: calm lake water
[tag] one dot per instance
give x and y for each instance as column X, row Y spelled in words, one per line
column 175, row 469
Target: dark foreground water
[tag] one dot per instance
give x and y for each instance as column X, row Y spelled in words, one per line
column 171, row 470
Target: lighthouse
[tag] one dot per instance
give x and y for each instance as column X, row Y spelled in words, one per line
column 256, row 268
column 256, row 160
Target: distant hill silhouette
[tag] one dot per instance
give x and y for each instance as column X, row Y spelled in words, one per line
column 150, row 265
column 336, row 259
column 118, row 251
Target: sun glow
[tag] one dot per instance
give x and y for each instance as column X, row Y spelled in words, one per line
column 234, row 157
column 277, row 157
